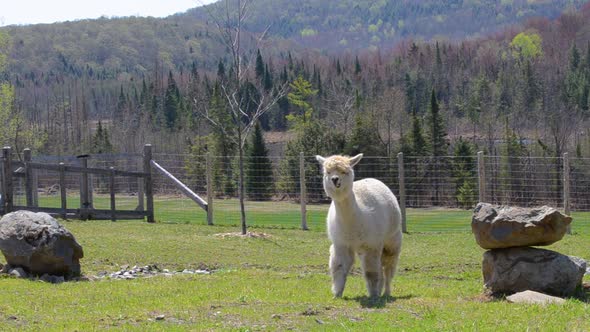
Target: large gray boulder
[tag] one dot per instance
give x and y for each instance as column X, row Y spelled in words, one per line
column 512, row 270
column 505, row 227
column 39, row 244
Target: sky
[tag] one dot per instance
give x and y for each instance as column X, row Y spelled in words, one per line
column 50, row 11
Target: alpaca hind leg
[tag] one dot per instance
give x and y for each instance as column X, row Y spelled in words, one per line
column 371, row 262
column 390, row 260
column 341, row 260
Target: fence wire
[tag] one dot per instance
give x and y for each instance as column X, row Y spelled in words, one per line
column 440, row 192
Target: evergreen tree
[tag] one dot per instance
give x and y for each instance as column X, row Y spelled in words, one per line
column 101, row 142
column 357, row 66
column 437, row 134
column 259, row 70
column 171, row 102
column 419, row 147
column 464, row 169
column 259, row 176
column 365, row 139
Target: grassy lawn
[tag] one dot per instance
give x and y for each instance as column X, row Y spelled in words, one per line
column 275, row 283
column 172, row 209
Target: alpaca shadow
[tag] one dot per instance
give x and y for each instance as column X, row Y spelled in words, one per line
column 379, row 302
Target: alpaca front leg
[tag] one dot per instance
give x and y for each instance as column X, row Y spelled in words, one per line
column 341, row 260
column 371, row 262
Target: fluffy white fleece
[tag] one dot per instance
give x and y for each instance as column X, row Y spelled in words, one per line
column 364, row 219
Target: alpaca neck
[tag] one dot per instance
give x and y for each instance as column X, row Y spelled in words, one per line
column 346, row 205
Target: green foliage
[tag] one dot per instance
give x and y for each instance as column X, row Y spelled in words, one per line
column 101, row 142
column 527, row 46
column 195, row 164
column 259, row 175
column 301, row 92
column 464, row 171
column 437, row 133
column 171, row 103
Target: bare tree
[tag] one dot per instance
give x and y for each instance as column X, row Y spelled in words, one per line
column 340, row 101
column 243, row 108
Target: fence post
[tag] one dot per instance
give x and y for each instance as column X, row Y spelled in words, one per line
column 402, row 190
column 28, row 177
column 303, row 191
column 112, row 190
column 566, row 188
column 84, row 204
column 481, row 172
column 7, row 179
column 35, row 180
column 209, row 179
column 62, row 189
column 147, row 169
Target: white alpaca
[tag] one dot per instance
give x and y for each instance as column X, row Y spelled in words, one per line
column 365, row 219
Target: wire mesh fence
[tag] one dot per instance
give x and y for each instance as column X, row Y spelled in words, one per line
column 439, row 192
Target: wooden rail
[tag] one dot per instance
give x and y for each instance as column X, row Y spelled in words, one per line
column 186, row 190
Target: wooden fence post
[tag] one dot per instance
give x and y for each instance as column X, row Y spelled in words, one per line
column 209, row 179
column 62, row 189
column 566, row 188
column 147, row 169
column 303, row 191
column 112, row 191
column 28, row 177
column 402, row 190
column 481, row 172
column 7, row 180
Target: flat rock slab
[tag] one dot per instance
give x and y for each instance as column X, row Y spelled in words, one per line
column 496, row 227
column 37, row 243
column 532, row 297
column 513, row 270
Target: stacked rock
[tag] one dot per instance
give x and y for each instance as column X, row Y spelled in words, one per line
column 511, row 265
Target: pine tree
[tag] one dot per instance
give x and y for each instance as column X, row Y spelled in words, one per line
column 464, row 173
column 101, row 142
column 259, row 70
column 171, row 102
column 357, row 66
column 437, row 134
column 259, row 176
column 419, row 147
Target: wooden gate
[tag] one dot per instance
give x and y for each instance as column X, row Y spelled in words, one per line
column 26, row 169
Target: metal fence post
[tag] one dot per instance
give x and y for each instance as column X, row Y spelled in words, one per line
column 402, row 190
column 84, row 203
column 302, row 191
column 481, row 172
column 62, row 190
column 566, row 188
column 28, row 177
column 112, row 193
column 8, row 192
column 147, row 169
column 209, row 179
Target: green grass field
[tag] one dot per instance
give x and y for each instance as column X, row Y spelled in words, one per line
column 286, row 214
column 275, row 283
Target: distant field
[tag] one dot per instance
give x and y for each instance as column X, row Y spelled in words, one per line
column 178, row 209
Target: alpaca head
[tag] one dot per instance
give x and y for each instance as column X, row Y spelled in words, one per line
column 338, row 174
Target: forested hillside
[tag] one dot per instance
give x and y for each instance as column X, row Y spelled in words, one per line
column 521, row 91
column 133, row 45
column 333, row 26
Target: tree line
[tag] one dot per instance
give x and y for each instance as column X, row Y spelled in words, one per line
column 518, row 93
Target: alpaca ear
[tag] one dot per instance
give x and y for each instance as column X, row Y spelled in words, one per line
column 320, row 159
column 355, row 160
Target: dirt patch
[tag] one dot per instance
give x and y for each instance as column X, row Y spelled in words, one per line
column 254, row 235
